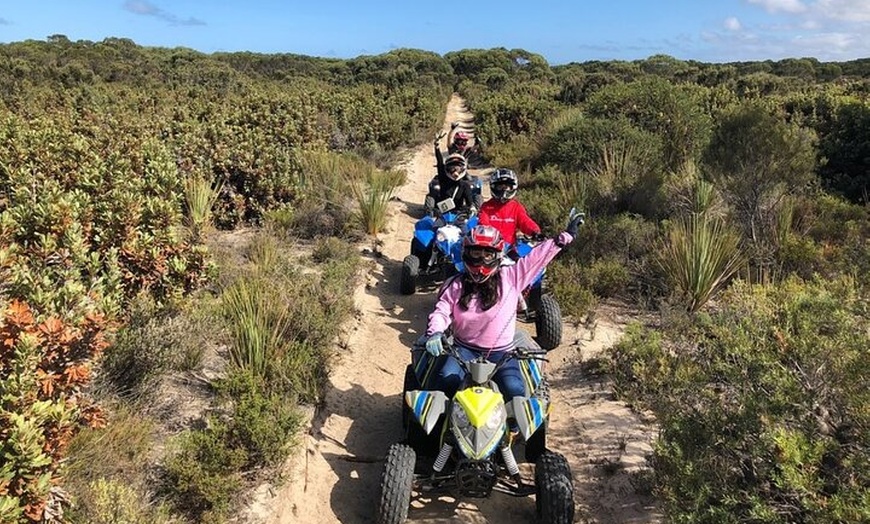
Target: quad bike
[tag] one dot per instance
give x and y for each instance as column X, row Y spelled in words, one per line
column 464, row 445
column 435, row 248
column 538, row 305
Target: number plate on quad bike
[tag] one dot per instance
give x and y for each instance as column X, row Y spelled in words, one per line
column 446, row 205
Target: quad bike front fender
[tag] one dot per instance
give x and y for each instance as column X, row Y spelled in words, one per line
column 427, row 406
column 424, row 231
column 530, row 414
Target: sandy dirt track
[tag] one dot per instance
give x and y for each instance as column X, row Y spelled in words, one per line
column 335, row 476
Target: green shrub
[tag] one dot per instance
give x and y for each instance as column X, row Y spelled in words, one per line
column 202, row 476
column 155, row 340
column 373, row 199
column 258, row 322
column 117, row 502
column 329, row 249
column 763, row 405
column 608, row 277
column 200, row 196
column 575, row 299
column 264, row 421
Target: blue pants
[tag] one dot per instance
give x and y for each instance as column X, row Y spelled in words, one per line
column 448, row 374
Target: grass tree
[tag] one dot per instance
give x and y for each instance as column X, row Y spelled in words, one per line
column 373, row 197
column 200, row 196
column 698, row 255
column 259, row 323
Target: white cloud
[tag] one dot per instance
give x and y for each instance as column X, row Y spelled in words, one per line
column 846, row 10
column 835, row 43
column 732, row 24
column 146, row 8
column 786, row 6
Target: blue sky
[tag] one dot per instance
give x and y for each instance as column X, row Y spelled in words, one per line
column 560, row 30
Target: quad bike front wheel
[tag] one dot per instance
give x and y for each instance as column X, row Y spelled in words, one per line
column 396, row 485
column 548, row 323
column 554, row 489
column 410, row 272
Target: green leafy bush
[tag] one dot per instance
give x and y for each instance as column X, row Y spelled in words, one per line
column 575, row 299
column 203, row 477
column 763, row 405
column 154, row 341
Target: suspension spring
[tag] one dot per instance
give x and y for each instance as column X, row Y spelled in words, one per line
column 509, row 460
column 443, row 455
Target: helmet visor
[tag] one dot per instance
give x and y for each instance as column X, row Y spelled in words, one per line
column 479, row 256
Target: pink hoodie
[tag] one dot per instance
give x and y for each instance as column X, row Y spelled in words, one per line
column 494, row 328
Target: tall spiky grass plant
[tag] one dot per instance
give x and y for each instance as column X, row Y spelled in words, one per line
column 333, row 174
column 703, row 197
column 200, row 196
column 572, row 190
column 373, row 198
column 562, row 119
column 259, row 321
column 698, row 255
column 263, row 251
column 617, row 168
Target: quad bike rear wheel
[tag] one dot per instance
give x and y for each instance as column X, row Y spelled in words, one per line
column 548, row 322
column 410, row 272
column 396, row 484
column 554, row 489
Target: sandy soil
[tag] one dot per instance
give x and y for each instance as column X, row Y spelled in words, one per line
column 335, row 476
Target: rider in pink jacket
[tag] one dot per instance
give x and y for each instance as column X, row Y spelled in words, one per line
column 480, row 305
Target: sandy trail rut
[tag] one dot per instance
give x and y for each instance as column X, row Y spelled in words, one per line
column 335, row 476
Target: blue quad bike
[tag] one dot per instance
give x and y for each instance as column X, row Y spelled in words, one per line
column 435, row 249
column 537, row 304
column 464, row 445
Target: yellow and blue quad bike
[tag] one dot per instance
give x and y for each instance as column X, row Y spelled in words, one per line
column 463, row 445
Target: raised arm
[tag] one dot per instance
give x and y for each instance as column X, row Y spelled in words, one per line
column 527, row 268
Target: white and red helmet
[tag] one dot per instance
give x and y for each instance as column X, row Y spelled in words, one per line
column 482, row 251
column 456, row 166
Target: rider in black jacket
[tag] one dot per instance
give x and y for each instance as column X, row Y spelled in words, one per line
column 452, row 179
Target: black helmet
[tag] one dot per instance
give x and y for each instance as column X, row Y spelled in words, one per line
column 503, row 184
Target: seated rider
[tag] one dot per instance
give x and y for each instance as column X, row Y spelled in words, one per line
column 452, row 180
column 504, row 212
column 479, row 306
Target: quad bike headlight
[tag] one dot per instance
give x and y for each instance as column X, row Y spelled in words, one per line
column 477, row 442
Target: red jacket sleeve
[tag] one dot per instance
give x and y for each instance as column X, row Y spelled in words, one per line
column 525, row 222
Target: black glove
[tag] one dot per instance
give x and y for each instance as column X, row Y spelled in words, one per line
column 574, row 223
column 538, row 237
